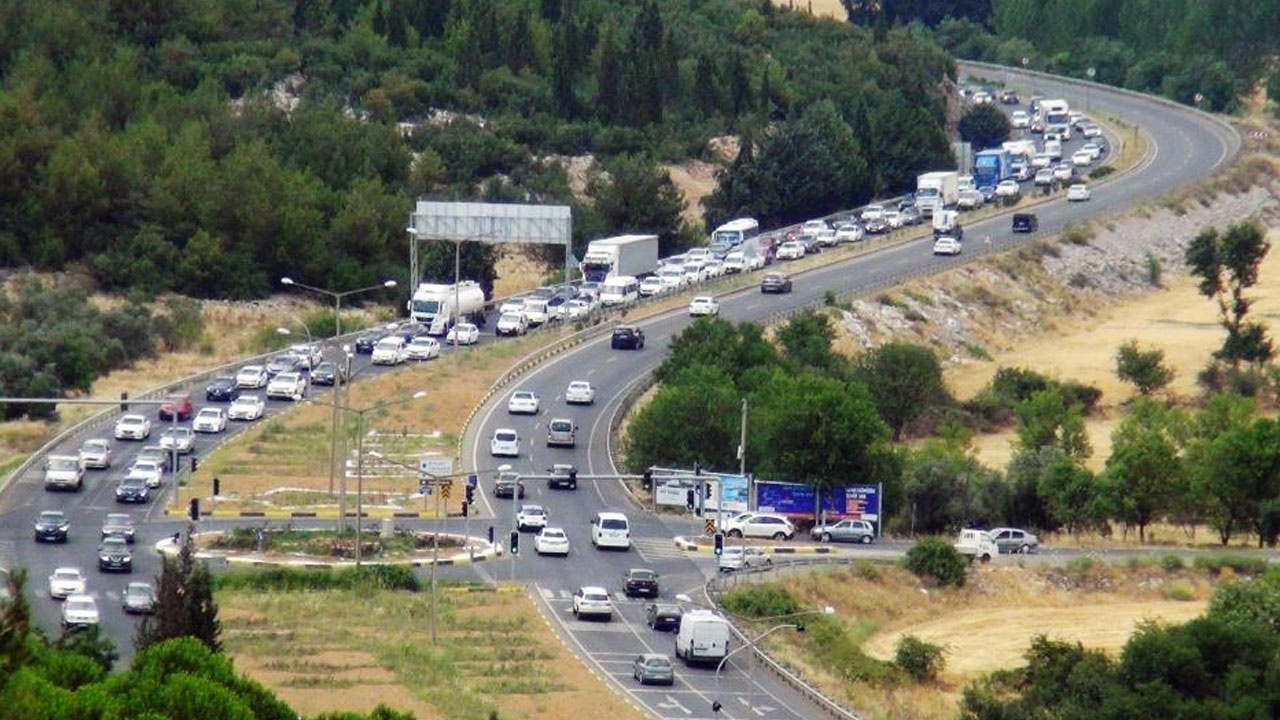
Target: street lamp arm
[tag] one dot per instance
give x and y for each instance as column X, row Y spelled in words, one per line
column 715, row 704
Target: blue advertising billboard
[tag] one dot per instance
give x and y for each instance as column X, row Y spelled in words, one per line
column 858, row 502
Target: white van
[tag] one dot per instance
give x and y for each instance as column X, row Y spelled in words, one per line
column 535, row 311
column 703, row 637
column 620, row 291
column 611, row 530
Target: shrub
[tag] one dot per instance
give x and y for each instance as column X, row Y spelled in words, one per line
column 765, row 600
column 1077, row 234
column 1172, row 563
column 1179, row 591
column 386, row 577
column 921, row 660
column 1239, row 564
column 1155, row 271
column 936, row 558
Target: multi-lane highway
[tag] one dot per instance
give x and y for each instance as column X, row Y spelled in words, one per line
column 1184, row 147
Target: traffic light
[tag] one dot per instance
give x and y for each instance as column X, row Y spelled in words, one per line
column 465, row 507
column 706, row 490
column 719, row 543
column 715, row 706
column 217, row 486
column 648, row 479
column 697, row 468
column 490, row 534
column 124, row 402
column 689, row 498
column 515, row 542
column 193, row 509
column 471, row 497
column 195, row 464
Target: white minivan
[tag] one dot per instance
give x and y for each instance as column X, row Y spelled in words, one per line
column 611, row 530
column 622, row 290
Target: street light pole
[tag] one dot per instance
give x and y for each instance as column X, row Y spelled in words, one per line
column 337, row 333
column 715, row 703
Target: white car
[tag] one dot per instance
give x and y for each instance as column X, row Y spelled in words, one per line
column 1044, row 176
column 652, row 285
column 790, row 250
column 424, row 348
column 872, row 212
column 66, row 581
column 577, row 308
column 512, row 323
column 1081, row 158
column 1020, row 119
column 1042, row 160
column 246, row 407
column 673, row 276
column 715, row 268
column 592, row 600
column 531, row 517
column 969, row 199
column 1094, row 149
column 390, row 350
column 463, row 334
column 511, row 305
column 849, row 232
column 739, row 558
column 580, row 392
column 894, row 218
column 735, row 262
column 1090, row 130
column 95, row 453
column 1008, row 188
column 704, row 305
column 523, row 402
column 946, row 245
column 210, row 420
column 551, row 541
column 133, row 427
column 287, row 386
column 178, row 439
column 505, row 443
column 1078, row 192
column 1063, row 172
column 149, row 471
column 759, row 525
column 79, row 611
column 252, row 376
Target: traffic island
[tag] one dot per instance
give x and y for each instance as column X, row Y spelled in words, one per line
column 704, row 545
column 288, row 547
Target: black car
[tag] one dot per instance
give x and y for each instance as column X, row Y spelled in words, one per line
column 114, row 555
column 563, row 476
column 366, row 340
column 1025, row 222
column 328, row 373
column 627, row 337
column 133, row 490
column 139, row 598
column 775, row 283
column 640, row 581
column 663, row 616
column 222, row 389
column 506, row 487
column 119, row 525
column 52, row 526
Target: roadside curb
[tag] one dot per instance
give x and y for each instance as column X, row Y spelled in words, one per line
column 316, row 514
column 168, row 548
column 692, row 546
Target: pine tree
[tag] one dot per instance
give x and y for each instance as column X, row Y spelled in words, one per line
column 184, row 603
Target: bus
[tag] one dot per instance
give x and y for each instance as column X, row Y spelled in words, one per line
column 736, row 232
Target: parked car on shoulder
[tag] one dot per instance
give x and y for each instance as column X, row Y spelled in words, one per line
column 759, row 525
column 741, row 558
column 855, row 531
column 1014, row 541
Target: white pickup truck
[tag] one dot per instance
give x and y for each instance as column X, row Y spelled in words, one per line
column 976, row 545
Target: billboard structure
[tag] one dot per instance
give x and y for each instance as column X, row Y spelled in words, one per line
column 459, row 222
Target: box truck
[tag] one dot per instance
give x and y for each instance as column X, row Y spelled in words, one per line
column 990, row 167
column 439, row 306
column 947, row 222
column 937, row 190
column 621, row 256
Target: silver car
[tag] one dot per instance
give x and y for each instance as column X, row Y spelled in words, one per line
column 855, row 531
column 1013, row 540
column 653, row 668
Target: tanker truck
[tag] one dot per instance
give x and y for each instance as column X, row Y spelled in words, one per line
column 439, row 306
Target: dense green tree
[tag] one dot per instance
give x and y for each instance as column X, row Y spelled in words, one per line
column 1255, row 600
column 1071, row 494
column 638, row 196
column 1048, row 419
column 942, row 489
column 984, row 126
column 904, row 380
column 184, row 603
column 806, row 341
column 1238, row 469
column 698, row 397
column 1146, row 369
column 740, row 352
column 1144, row 466
column 817, row 430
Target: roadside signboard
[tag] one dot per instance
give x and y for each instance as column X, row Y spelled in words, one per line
column 435, row 465
column 858, row 502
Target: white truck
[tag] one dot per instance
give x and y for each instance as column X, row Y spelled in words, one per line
column 440, row 306
column 1025, row 148
column 63, row 472
column 937, row 190
column 976, row 545
column 621, row 256
column 947, row 222
column 703, row 637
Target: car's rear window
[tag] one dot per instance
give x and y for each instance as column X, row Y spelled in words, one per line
column 506, row 437
column 613, row 524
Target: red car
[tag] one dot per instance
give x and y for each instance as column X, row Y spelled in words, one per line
column 179, row 402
